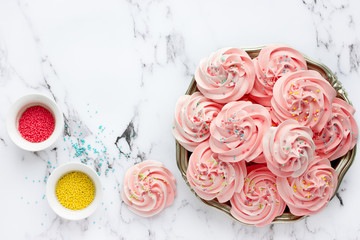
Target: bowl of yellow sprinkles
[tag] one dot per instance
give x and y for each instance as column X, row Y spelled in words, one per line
column 74, row 191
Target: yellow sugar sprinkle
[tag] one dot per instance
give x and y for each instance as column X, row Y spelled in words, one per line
column 294, row 108
column 296, row 119
column 75, row 190
column 308, row 196
column 317, row 110
column 306, row 101
column 290, row 92
column 317, row 90
column 332, row 185
column 294, row 190
column 296, row 93
column 315, row 119
column 314, row 100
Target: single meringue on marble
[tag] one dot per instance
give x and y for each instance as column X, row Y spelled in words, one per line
column 193, row 115
column 259, row 202
column 226, row 75
column 211, row 178
column 273, row 62
column 148, row 188
column 304, row 96
column 237, row 131
column 340, row 133
column 288, row 149
column 311, row 192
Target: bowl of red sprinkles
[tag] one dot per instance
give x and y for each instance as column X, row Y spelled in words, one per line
column 34, row 122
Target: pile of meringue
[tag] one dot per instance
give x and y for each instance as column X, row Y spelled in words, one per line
column 262, row 133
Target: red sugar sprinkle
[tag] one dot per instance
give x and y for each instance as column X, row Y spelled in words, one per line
column 36, row 124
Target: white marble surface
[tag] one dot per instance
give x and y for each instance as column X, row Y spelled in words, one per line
column 122, row 64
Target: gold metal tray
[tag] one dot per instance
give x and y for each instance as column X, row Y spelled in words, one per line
column 341, row 165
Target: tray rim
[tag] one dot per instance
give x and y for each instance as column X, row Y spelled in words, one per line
column 342, row 167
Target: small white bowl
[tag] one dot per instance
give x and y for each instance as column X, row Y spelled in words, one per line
column 18, row 108
column 53, row 201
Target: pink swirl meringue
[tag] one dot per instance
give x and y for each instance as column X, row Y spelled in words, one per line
column 340, row 134
column 259, row 202
column 148, row 188
column 288, row 149
column 273, row 62
column 237, row 131
column 304, row 96
column 211, row 178
column 311, row 192
column 226, row 75
column 193, row 115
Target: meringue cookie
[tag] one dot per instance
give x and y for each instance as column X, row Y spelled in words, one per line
column 237, row 131
column 148, row 188
column 193, row 115
column 273, row 62
column 226, row 75
column 211, row 178
column 311, row 192
column 288, row 149
column 259, row 202
column 340, row 134
column 304, row 96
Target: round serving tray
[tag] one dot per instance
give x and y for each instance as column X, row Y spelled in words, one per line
column 341, row 165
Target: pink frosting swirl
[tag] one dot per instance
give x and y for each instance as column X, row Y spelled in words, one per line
column 340, row 134
column 211, row 178
column 288, row 149
column 311, row 192
column 273, row 62
column 259, row 202
column 193, row 115
column 304, row 96
column 237, row 131
column 148, row 188
column 226, row 75
column 260, row 159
